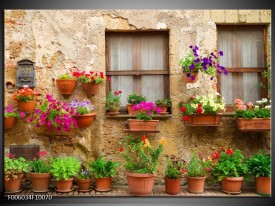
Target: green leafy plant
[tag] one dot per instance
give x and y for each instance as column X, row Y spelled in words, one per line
column 64, row 168
column 175, row 167
column 230, row 164
column 198, row 167
column 259, row 164
column 166, row 102
column 139, row 155
column 113, row 101
column 14, row 167
column 40, row 165
column 66, row 76
column 103, row 168
column 262, row 109
column 136, row 98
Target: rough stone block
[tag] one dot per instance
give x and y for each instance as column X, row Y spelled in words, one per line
column 218, row 16
column 265, row 16
column 231, row 16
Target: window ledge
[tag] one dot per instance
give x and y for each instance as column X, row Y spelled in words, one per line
column 127, row 116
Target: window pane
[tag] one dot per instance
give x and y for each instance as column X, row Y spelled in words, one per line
column 123, row 83
column 152, row 87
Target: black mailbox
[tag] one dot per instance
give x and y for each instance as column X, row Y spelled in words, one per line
column 25, row 73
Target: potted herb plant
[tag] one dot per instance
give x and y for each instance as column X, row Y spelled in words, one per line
column 25, row 99
column 230, row 169
column 11, row 114
column 133, row 99
column 54, row 115
column 83, row 112
column 175, row 169
column 40, row 173
column 84, row 180
column 202, row 110
column 90, row 81
column 103, row 171
column 192, row 63
column 250, row 117
column 63, row 171
column 163, row 104
column 197, row 170
column 14, row 169
column 141, row 162
column 144, row 118
column 66, row 83
column 113, row 102
column 259, row 165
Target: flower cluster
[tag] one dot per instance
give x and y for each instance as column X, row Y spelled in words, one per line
column 113, row 101
column 208, row 64
column 88, row 77
column 146, row 110
column 40, row 164
column 10, row 111
column 175, row 167
column 262, row 109
column 139, row 155
column 84, row 174
column 136, row 98
column 209, row 104
column 54, row 115
column 25, row 94
column 83, row 107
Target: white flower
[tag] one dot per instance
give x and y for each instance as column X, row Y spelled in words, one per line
column 264, row 100
column 256, row 107
column 267, row 107
column 194, row 106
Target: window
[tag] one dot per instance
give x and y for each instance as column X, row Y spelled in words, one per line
column 138, row 62
column 244, row 57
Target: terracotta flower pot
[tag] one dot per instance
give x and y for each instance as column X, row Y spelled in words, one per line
column 13, row 185
column 196, row 184
column 103, row 184
column 130, row 109
column 40, row 181
column 64, row 185
column 163, row 108
column 256, row 124
column 9, row 122
column 204, row 120
column 188, row 79
column 263, row 185
column 90, row 88
column 113, row 112
column 84, row 184
column 140, row 184
column 172, row 186
column 232, row 185
column 136, row 124
column 27, row 107
column 85, row 120
column 66, row 86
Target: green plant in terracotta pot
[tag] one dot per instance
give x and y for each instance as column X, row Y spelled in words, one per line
column 14, row 172
column 174, row 171
column 11, row 114
column 259, row 165
column 40, row 172
column 141, row 163
column 84, row 180
column 64, row 170
column 113, row 102
column 163, row 104
column 103, row 171
column 66, row 83
column 134, row 99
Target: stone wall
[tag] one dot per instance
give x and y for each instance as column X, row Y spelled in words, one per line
column 60, row 39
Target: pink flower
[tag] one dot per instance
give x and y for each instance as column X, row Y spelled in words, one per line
column 249, row 104
column 242, row 107
column 11, row 156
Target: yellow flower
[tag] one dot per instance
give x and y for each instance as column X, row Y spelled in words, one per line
column 163, row 141
column 203, row 159
column 146, row 143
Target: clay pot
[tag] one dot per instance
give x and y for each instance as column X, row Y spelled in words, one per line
column 163, row 108
column 103, row 184
column 188, row 79
column 13, row 185
column 85, row 120
column 232, row 185
column 172, row 186
column 113, row 112
column 84, row 184
column 90, row 88
column 256, row 124
column 66, row 86
column 141, row 125
column 40, row 181
column 27, row 107
column 140, row 184
column 130, row 109
column 64, row 185
column 263, row 185
column 196, row 184
column 203, row 120
column 9, row 122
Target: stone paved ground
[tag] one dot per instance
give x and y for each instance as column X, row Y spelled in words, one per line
column 122, row 191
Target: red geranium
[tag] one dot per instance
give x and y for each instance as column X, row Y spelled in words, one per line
column 199, row 110
column 121, row 149
column 229, row 151
column 182, row 109
column 185, row 118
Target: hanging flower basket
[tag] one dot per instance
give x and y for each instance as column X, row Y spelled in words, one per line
column 203, row 120
column 90, row 88
column 27, row 107
column 255, row 124
column 9, row 122
column 85, row 120
column 142, row 125
column 192, row 78
column 66, row 86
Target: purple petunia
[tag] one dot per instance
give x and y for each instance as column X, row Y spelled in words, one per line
column 192, row 66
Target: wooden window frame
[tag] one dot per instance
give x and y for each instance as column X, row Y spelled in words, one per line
column 136, row 71
column 259, row 70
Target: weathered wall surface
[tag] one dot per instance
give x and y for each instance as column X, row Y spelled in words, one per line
column 59, row 39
